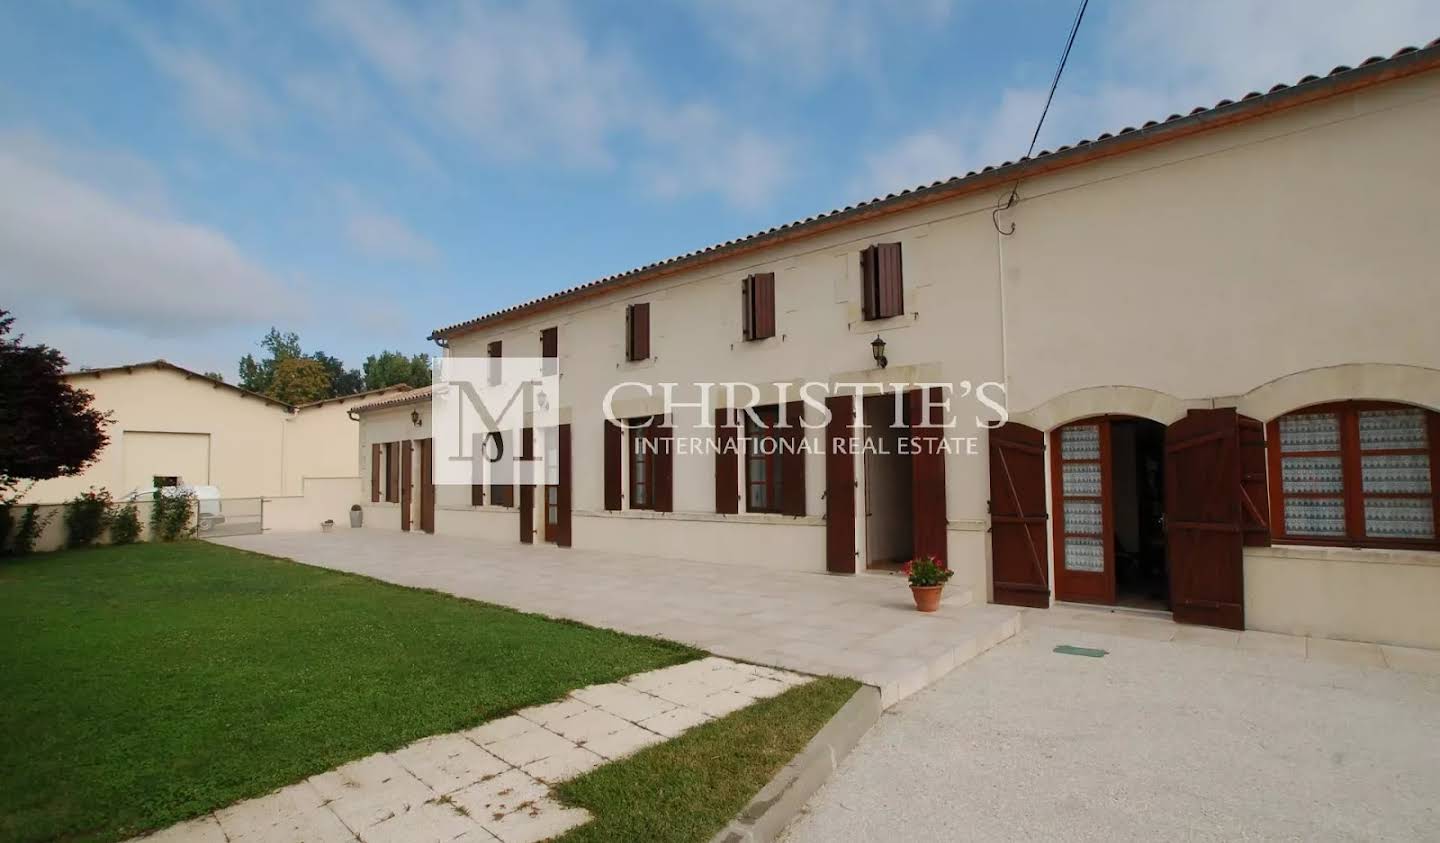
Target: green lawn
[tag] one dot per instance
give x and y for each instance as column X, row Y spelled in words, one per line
column 146, row 684
column 689, row 788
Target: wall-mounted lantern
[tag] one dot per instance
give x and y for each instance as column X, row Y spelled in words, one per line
column 415, row 417
column 877, row 348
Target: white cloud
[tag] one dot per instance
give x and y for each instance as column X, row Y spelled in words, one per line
column 808, row 39
column 525, row 83
column 385, row 237
column 221, row 100
column 70, row 250
column 1156, row 59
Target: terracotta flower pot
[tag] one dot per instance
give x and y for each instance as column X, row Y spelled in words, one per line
column 927, row 597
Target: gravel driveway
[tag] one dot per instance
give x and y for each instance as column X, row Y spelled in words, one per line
column 1157, row 740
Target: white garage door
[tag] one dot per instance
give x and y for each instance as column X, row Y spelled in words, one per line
column 149, row 455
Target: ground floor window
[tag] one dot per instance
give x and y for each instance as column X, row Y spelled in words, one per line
column 1356, row 473
column 644, row 443
column 764, row 462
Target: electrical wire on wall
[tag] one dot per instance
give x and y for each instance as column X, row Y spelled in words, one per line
column 1035, row 137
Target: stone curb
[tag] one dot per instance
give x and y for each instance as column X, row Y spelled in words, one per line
column 781, row 800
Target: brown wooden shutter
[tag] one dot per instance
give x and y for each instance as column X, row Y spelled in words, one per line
column 427, row 488
column 550, row 343
column 1203, row 531
column 663, row 493
column 1019, row 560
column 840, row 486
column 1253, row 495
column 927, row 491
column 747, row 307
column 375, row 473
column 727, row 461
column 563, row 495
column 637, row 331
column 758, row 295
column 477, row 494
column 392, row 473
column 406, row 484
column 527, row 489
column 891, row 288
column 870, row 282
column 792, row 461
column 613, row 443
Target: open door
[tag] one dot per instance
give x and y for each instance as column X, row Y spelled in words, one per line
column 427, row 487
column 557, row 494
column 1019, row 561
column 927, row 475
column 840, row 485
column 406, row 484
column 527, row 489
column 1204, row 518
column 1084, row 517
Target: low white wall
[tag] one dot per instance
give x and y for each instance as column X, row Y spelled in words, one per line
column 381, row 516
column 773, row 542
column 321, row 498
column 52, row 519
column 1384, row 596
column 491, row 523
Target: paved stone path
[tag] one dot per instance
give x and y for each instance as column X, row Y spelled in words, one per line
column 491, row 782
column 1178, row 733
column 864, row 627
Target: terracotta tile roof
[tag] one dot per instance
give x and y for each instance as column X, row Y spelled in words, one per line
column 1404, row 62
column 129, row 368
column 352, row 396
column 414, row 396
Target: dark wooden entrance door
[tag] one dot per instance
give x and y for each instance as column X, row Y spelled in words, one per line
column 527, row 489
column 557, row 494
column 1204, row 491
column 1084, row 517
column 406, row 484
column 1019, row 559
column 427, row 487
column 840, row 485
column 931, row 534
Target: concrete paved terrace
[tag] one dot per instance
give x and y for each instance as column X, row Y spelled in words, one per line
column 864, row 627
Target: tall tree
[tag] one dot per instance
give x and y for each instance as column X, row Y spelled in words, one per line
column 343, row 381
column 256, row 375
column 48, row 428
column 299, row 380
column 389, row 368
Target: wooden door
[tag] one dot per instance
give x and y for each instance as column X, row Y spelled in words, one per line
column 1084, row 514
column 1019, row 556
column 840, row 485
column 563, row 492
column 406, row 484
column 527, row 489
column 1254, row 497
column 1204, row 518
column 927, row 475
column 427, row 487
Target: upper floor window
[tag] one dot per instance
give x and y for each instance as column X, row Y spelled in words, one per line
column 1357, row 473
column 882, row 290
column 495, row 353
column 550, row 350
column 637, row 331
column 757, row 297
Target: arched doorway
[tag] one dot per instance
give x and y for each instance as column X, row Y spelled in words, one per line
column 1108, row 490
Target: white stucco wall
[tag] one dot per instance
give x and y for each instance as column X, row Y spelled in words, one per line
column 1266, row 266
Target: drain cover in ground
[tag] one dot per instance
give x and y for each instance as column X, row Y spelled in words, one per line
column 1068, row 650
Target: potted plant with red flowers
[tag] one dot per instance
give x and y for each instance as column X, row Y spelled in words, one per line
column 927, row 580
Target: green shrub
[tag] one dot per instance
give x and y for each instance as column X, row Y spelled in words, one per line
column 173, row 517
column 125, row 525
column 86, row 517
column 31, row 525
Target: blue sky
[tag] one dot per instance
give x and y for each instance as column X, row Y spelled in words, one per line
column 180, row 176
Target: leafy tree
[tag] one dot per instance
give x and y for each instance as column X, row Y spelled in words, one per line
column 216, row 375
column 299, row 380
column 343, row 381
column 257, row 375
column 389, row 368
column 48, row 428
